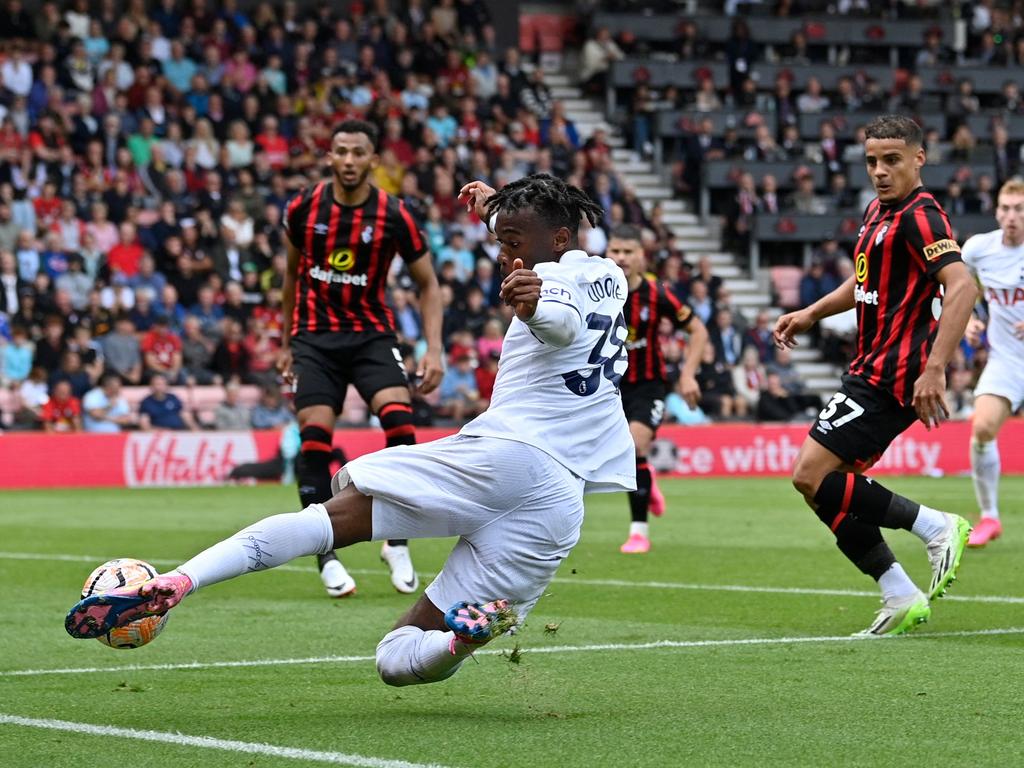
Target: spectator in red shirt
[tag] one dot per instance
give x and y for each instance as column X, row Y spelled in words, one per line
column 486, row 373
column 161, row 351
column 262, row 349
column 273, row 144
column 63, row 411
column 46, row 139
column 47, row 206
column 125, row 256
column 455, row 72
column 395, row 141
column 231, row 357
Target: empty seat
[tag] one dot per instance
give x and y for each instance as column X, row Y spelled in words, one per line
column 786, row 286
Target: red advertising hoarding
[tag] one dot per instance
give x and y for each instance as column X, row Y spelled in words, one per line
column 141, row 459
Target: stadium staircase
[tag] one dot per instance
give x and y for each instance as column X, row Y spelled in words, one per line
column 696, row 238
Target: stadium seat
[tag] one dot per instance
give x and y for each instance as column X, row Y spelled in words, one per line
column 354, row 411
column 7, row 404
column 201, row 400
column 786, row 286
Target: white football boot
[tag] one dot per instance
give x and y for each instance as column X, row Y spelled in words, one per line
column 403, row 575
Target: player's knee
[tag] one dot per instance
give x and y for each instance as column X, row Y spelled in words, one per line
column 806, row 479
column 394, row 657
column 983, row 430
column 397, row 664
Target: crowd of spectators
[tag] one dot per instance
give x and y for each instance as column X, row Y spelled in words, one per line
column 147, row 151
column 763, row 124
column 742, row 374
column 764, row 116
column 147, row 154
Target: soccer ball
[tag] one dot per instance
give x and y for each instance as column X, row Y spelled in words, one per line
column 125, row 572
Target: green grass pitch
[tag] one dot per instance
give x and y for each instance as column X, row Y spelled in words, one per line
column 946, row 695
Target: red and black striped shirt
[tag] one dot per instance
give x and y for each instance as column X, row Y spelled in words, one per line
column 346, row 252
column 644, row 309
column 900, row 249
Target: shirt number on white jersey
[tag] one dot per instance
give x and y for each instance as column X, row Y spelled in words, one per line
column 582, row 385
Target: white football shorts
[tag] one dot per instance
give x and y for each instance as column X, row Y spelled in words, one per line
column 517, row 513
column 1004, row 378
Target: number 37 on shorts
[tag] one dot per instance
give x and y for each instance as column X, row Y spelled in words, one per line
column 841, row 409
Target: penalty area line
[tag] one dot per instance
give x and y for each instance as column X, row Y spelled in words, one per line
column 579, row 581
column 550, row 649
column 208, row 742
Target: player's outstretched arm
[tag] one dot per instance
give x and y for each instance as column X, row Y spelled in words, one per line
column 284, row 355
column 689, row 390
column 959, row 295
column 792, row 323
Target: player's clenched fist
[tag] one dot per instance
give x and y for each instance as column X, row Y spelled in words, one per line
column 521, row 290
column 789, row 325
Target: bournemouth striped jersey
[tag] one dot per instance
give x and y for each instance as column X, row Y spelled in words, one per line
column 644, row 309
column 345, row 255
column 900, row 249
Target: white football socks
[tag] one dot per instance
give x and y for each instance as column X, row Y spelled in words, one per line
column 895, row 583
column 985, row 468
column 410, row 656
column 929, row 523
column 268, row 543
column 642, row 528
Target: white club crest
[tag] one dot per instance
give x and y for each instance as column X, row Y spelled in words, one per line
column 881, row 233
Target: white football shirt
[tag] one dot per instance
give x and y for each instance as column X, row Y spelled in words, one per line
column 565, row 401
column 1000, row 268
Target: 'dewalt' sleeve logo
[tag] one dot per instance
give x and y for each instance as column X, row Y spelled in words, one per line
column 940, row 248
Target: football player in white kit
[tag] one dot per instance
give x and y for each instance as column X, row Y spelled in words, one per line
column 997, row 259
column 510, row 484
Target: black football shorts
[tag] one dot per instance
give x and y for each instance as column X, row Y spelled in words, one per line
column 326, row 363
column 644, row 402
column 860, row 421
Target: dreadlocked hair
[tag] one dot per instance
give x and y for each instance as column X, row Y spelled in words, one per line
column 557, row 204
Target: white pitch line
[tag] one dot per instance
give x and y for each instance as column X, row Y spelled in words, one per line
column 650, row 646
column 152, row 561
column 1003, row 599
column 570, row 580
column 208, row 742
column 186, row 665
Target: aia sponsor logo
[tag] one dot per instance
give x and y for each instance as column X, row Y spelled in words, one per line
column 177, row 458
column 1005, row 296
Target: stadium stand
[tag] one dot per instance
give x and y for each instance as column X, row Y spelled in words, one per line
column 727, row 130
